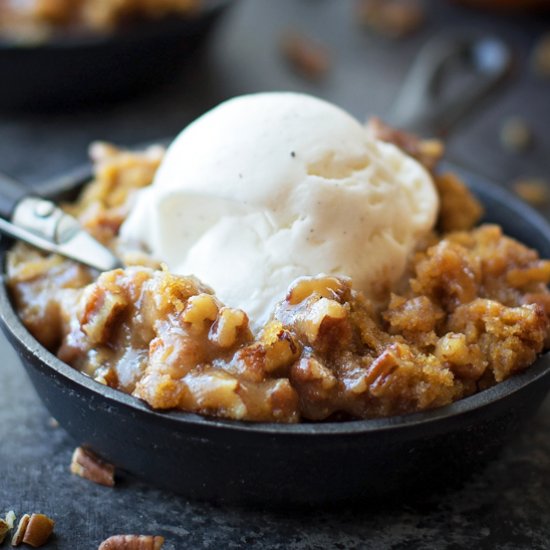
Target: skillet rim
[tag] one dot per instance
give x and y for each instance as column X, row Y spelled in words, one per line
column 74, row 179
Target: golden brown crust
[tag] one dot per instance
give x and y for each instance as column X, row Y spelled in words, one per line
column 459, row 210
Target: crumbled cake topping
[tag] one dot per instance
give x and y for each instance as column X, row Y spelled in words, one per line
column 471, row 311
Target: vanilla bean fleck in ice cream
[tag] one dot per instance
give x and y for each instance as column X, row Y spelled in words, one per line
column 269, row 187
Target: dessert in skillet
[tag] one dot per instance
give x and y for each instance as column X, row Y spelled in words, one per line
column 286, row 263
column 38, row 17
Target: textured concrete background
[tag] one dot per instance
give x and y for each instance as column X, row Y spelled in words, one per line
column 508, row 507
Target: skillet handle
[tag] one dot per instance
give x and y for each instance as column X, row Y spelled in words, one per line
column 431, row 102
column 11, row 192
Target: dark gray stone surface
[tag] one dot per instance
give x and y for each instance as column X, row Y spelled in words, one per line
column 507, row 507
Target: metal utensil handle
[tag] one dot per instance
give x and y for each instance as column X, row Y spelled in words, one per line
column 11, row 192
column 428, row 104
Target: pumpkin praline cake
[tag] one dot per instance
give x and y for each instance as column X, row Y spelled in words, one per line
column 286, row 263
column 36, row 19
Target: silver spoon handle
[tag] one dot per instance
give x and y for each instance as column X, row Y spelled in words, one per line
column 431, row 102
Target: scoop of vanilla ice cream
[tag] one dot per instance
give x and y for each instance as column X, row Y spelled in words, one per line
column 269, row 187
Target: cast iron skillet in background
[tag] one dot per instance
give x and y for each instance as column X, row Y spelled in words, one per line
column 70, row 69
column 364, row 460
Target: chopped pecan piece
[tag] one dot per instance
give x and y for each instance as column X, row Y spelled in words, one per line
column 447, row 276
column 540, row 59
column 200, row 309
column 426, row 151
column 393, row 18
column 100, row 312
column 306, row 56
column 87, row 465
column 464, row 359
column 318, row 382
column 132, row 542
column 311, row 370
column 535, row 191
column 317, row 311
column 515, row 134
column 17, row 538
column 382, row 367
column 38, row 530
column 4, row 529
column 228, row 327
column 334, row 288
column 281, row 347
column 526, row 276
column 322, row 314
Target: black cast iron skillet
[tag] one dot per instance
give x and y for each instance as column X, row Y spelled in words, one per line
column 71, row 69
column 231, row 461
column 326, row 463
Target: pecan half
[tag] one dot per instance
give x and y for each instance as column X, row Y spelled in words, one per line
column 132, row 542
column 516, row 135
column 534, row 191
column 38, row 530
column 540, row 58
column 89, row 466
column 392, row 18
